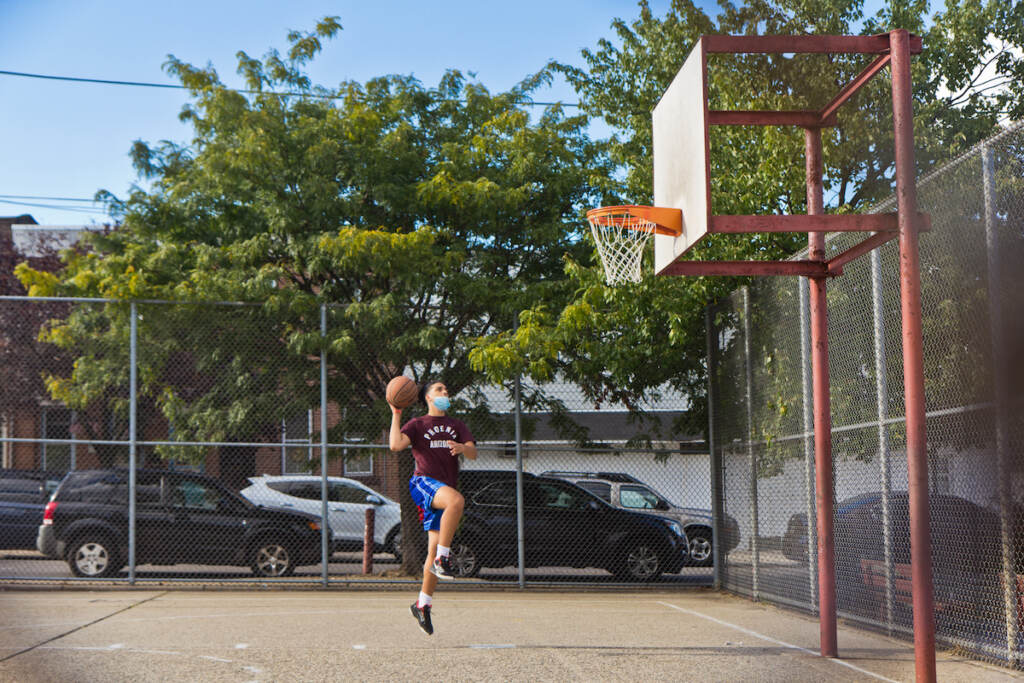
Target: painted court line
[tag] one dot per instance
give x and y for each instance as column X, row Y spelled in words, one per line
column 500, row 646
column 741, row 629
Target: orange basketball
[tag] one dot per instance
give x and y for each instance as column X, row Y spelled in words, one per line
column 402, row 392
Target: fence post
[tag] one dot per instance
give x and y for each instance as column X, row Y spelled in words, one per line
column 284, row 448
column 1003, row 475
column 42, row 449
column 808, row 427
column 368, row 533
column 73, row 465
column 520, row 522
column 713, row 454
column 324, row 540
column 133, row 345
column 882, row 407
column 754, row 545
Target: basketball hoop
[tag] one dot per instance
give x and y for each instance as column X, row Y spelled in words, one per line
column 622, row 232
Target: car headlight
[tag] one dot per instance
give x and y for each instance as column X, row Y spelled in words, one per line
column 676, row 529
column 315, row 526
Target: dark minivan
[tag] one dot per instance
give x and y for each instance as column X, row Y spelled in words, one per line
column 181, row 518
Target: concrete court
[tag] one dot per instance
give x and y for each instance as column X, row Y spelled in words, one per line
column 181, row 635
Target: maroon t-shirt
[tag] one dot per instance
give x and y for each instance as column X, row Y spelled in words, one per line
column 430, row 436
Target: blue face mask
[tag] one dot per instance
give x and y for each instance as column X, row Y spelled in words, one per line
column 442, row 403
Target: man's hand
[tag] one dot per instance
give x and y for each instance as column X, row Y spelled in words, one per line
column 456, row 448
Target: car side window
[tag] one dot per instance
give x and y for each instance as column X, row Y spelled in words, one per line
column 501, row 494
column 101, row 488
column 149, row 490
column 21, row 490
column 598, row 488
column 306, row 489
column 558, row 497
column 637, row 497
column 194, row 495
column 346, row 493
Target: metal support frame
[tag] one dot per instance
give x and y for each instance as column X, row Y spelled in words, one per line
column 894, row 50
column 922, row 588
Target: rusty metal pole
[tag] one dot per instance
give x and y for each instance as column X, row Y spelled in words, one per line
column 913, row 359
column 368, row 541
column 822, row 404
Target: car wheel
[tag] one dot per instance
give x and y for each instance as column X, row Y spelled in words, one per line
column 640, row 562
column 700, row 546
column 272, row 559
column 93, row 557
column 394, row 542
column 465, row 560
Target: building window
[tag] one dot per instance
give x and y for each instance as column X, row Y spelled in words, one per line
column 297, row 444
column 358, row 461
column 55, row 423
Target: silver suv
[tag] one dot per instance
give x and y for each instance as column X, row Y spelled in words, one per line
column 627, row 492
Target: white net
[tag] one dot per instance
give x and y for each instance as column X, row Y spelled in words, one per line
column 621, row 238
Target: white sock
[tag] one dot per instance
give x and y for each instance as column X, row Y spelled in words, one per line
column 443, row 551
column 424, row 601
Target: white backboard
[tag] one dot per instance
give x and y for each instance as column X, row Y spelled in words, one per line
column 680, row 147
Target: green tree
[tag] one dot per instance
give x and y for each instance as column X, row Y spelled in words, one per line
column 624, row 343
column 424, row 217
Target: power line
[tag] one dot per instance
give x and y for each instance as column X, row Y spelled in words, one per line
column 168, row 86
column 74, row 209
column 50, row 199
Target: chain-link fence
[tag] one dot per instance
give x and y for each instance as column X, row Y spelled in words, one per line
column 210, row 442
column 973, row 310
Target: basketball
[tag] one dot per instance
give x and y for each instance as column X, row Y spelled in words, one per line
column 402, row 392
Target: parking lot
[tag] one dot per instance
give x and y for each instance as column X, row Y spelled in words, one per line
column 147, row 635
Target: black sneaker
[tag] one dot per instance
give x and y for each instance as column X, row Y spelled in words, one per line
column 423, row 617
column 442, row 567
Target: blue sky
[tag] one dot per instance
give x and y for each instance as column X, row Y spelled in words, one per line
column 60, row 139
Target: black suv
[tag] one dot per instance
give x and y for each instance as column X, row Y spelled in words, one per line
column 180, row 518
column 23, row 495
column 625, row 491
column 565, row 526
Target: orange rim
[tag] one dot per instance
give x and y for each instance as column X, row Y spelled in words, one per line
column 666, row 221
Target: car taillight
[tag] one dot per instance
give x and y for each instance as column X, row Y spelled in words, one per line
column 48, row 512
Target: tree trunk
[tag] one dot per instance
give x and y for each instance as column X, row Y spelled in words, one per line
column 414, row 546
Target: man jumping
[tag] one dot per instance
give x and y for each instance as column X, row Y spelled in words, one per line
column 437, row 441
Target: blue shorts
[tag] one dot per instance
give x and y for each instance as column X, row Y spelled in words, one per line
column 423, row 490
